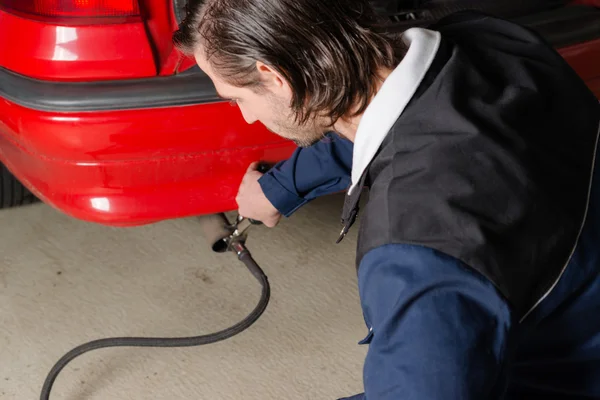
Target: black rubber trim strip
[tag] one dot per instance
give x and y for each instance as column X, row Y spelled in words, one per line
column 565, row 26
column 561, row 27
column 191, row 87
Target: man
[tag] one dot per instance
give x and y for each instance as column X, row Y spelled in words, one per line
column 478, row 261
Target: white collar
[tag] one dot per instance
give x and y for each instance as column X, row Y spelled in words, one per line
column 393, row 96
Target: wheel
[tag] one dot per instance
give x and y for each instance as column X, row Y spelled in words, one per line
column 12, row 192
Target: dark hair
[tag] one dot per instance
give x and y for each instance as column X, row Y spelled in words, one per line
column 329, row 51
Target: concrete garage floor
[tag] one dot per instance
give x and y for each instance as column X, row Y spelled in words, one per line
column 64, row 282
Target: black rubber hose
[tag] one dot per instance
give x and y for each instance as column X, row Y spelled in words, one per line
column 252, row 266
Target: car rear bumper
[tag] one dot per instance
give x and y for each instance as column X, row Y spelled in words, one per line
column 123, row 167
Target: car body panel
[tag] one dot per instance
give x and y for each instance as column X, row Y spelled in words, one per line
column 160, row 22
column 131, row 152
column 585, row 59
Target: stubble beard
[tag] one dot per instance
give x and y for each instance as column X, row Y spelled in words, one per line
column 304, row 135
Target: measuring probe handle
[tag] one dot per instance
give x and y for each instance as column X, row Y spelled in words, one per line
column 262, row 167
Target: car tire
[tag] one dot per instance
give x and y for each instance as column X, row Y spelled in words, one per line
column 12, row 192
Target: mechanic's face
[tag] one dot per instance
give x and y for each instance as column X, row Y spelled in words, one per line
column 271, row 106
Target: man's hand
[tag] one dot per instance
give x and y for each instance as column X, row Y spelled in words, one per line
column 252, row 202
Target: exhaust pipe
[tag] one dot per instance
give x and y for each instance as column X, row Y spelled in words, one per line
column 217, row 230
column 222, row 235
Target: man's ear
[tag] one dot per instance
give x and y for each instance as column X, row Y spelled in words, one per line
column 272, row 79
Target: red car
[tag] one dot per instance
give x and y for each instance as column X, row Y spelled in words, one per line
column 103, row 119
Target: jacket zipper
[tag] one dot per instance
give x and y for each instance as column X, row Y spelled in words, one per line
column 587, row 206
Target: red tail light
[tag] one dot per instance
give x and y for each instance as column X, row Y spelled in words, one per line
column 74, row 8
